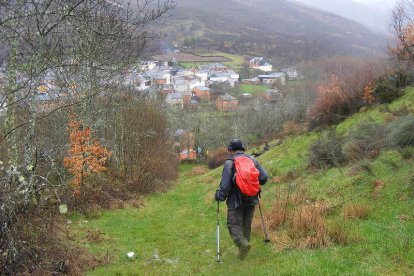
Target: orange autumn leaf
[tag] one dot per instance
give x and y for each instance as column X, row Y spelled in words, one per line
column 368, row 93
column 85, row 156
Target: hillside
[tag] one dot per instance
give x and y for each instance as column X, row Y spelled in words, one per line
column 284, row 31
column 174, row 233
column 376, row 19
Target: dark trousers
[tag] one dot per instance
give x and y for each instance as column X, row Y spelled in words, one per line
column 239, row 223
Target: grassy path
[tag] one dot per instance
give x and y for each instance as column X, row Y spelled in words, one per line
column 174, row 233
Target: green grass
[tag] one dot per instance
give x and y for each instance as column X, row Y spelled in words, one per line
column 236, row 61
column 174, row 234
column 253, row 89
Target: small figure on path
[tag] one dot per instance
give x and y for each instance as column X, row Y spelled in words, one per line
column 240, row 185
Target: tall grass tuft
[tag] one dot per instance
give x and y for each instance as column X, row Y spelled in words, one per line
column 327, row 151
column 401, row 132
column 365, row 140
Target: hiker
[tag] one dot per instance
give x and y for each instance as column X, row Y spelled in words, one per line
column 240, row 207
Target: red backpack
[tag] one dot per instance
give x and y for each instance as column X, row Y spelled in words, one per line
column 247, row 175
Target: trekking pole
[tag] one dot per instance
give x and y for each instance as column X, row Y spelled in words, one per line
column 218, row 232
column 266, row 240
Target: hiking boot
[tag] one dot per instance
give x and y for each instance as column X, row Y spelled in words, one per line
column 243, row 250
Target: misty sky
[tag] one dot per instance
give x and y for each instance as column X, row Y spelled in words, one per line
column 382, row 3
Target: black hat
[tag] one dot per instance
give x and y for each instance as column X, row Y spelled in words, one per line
column 235, row 144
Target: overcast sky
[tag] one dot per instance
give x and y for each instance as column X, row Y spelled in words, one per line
column 383, row 3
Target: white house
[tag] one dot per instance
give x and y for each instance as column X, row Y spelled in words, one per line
column 233, row 75
column 181, row 85
column 269, row 79
column 141, row 83
column 261, row 64
column 292, row 73
column 202, row 74
column 148, row 65
column 196, row 82
column 175, row 99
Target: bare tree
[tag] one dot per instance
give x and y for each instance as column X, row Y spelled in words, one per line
column 403, row 28
column 85, row 45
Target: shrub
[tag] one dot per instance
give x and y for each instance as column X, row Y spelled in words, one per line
column 308, row 226
column 218, row 157
column 401, row 132
column 143, row 150
column 385, row 91
column 356, row 211
column 327, row 151
column 277, row 215
column 291, row 128
column 365, row 140
column 339, row 233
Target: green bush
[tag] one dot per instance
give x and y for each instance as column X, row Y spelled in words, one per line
column 401, row 132
column 365, row 140
column 327, row 151
column 385, row 91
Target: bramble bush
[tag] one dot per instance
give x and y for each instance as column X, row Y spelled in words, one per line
column 365, row 140
column 327, row 150
column 385, row 91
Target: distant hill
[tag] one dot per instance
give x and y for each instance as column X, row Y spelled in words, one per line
column 375, row 18
column 284, row 31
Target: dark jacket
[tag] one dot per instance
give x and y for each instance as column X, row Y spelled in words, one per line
column 229, row 190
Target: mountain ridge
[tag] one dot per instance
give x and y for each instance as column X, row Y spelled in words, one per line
column 279, row 29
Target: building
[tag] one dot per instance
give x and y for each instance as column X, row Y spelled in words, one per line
column 260, row 63
column 175, row 100
column 226, row 103
column 273, row 95
column 202, row 92
column 184, row 143
column 271, row 78
column 148, row 65
column 292, row 73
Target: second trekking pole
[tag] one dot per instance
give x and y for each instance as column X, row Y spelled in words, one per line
column 266, row 240
column 218, row 232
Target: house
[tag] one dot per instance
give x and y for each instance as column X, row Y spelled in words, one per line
column 186, row 96
column 273, row 95
column 218, row 77
column 254, row 81
column 193, row 104
column 175, row 100
column 159, row 77
column 140, row 82
column 292, row 73
column 181, row 85
column 48, row 101
column 223, row 76
column 166, row 89
column 269, row 79
column 202, row 92
column 188, row 154
column 217, row 67
column 184, row 143
column 202, row 74
column 148, row 65
column 261, row 64
column 196, row 82
column 226, row 102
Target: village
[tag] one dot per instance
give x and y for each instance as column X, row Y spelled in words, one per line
column 189, row 88
column 206, row 87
